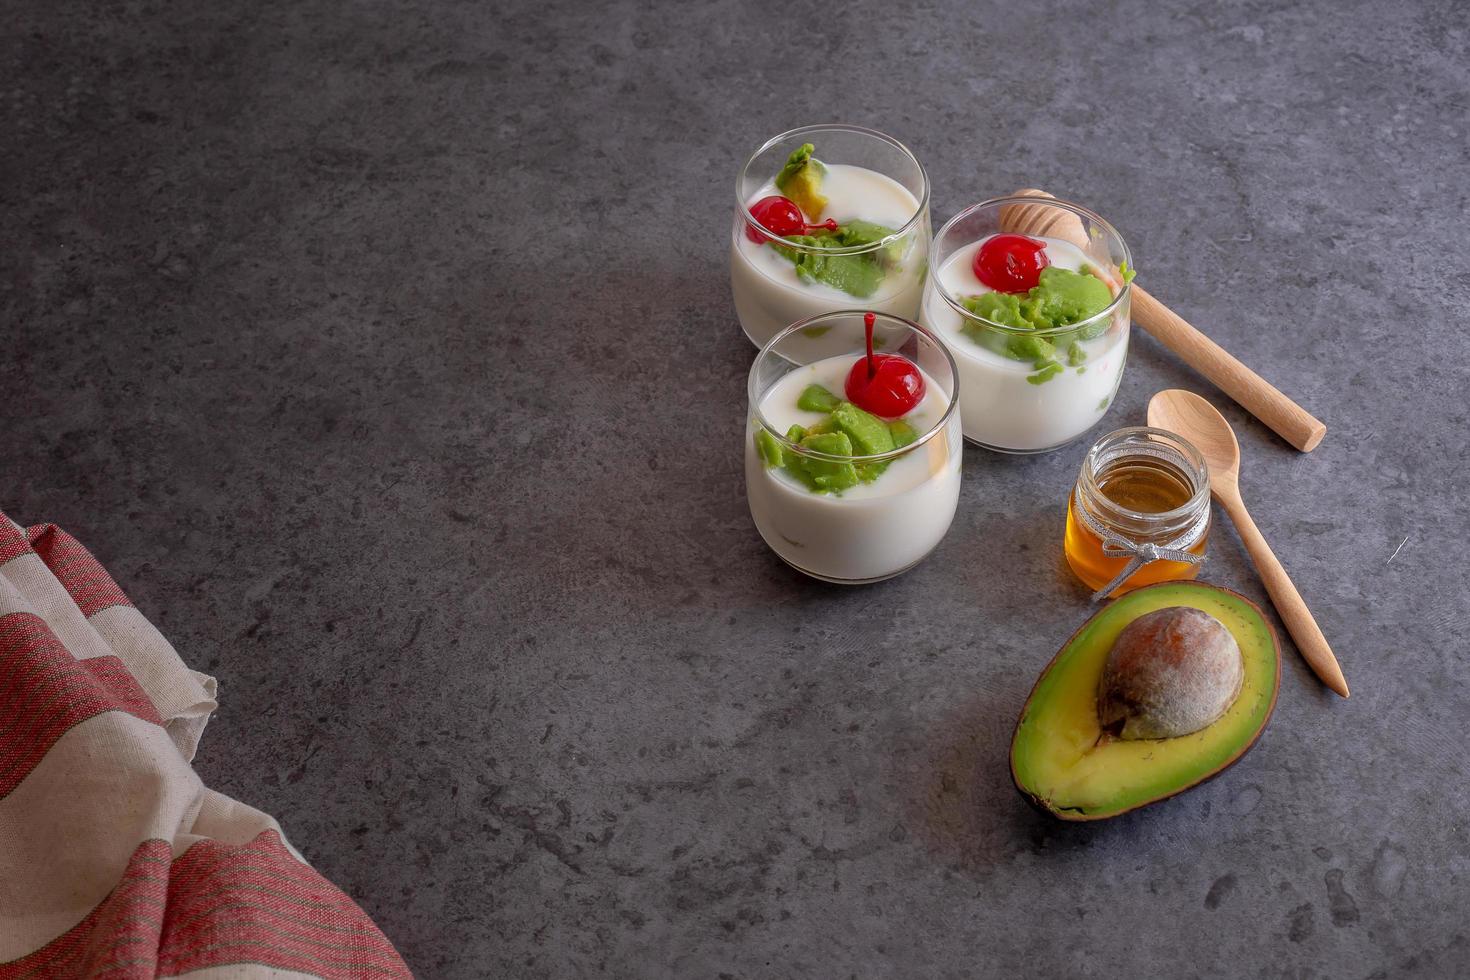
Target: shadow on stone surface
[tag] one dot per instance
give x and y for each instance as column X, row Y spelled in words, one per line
column 970, row 815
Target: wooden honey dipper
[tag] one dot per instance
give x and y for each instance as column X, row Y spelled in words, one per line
column 1263, row 400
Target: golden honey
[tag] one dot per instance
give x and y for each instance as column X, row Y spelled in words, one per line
column 1139, row 486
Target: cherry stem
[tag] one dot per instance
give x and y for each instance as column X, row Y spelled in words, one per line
column 868, row 320
column 830, row 225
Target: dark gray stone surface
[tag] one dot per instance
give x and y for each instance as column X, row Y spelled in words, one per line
column 385, row 353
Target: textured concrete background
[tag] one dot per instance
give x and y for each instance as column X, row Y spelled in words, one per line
column 385, row 353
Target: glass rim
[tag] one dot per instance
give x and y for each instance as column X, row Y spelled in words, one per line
column 1006, row 328
column 743, row 209
column 1199, row 472
column 786, row 444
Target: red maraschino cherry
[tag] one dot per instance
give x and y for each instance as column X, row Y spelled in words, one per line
column 781, row 215
column 1011, row 263
column 887, row 385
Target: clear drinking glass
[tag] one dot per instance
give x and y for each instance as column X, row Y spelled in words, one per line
column 876, row 529
column 1030, row 391
column 871, row 177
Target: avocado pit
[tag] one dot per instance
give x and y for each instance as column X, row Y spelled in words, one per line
column 1171, row 672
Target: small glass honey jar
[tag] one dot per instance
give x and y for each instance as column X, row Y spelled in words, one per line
column 1140, row 512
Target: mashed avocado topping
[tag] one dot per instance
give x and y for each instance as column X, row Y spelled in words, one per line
column 858, row 274
column 1059, row 299
column 846, row 431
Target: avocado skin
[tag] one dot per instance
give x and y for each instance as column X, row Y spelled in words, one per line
column 1073, row 815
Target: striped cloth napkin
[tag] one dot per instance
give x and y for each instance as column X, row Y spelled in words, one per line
column 115, row 861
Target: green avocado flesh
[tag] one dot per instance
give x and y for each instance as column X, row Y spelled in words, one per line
column 1060, row 759
column 858, row 274
column 801, row 181
column 1061, row 298
column 846, row 431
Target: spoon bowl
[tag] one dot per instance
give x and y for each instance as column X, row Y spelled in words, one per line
column 1202, row 424
column 1197, row 421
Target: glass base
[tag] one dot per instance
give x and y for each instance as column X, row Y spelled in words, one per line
column 1024, row 452
column 853, row 581
column 758, row 344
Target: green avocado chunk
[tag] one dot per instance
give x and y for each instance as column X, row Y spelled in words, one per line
column 1063, row 297
column 769, row 447
column 858, row 232
column 801, row 180
column 846, row 431
column 826, row 474
column 815, row 398
column 857, row 275
column 903, row 433
column 1060, row 298
column 1066, row 763
column 869, row 434
column 1048, row 371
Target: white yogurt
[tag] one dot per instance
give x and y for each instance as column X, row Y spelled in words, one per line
column 999, row 407
column 768, row 295
column 873, row 530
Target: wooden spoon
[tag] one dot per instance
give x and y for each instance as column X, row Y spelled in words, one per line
column 1195, row 419
column 1288, row 419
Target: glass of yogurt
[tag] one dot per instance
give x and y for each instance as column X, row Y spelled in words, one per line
column 841, row 493
column 1038, row 323
column 828, row 218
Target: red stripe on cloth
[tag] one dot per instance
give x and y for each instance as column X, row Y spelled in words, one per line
column 83, row 576
column 113, row 674
column 257, row 903
column 209, row 909
column 13, row 541
column 127, row 919
column 45, row 692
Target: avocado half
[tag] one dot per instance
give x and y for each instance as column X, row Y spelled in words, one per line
column 1063, row 763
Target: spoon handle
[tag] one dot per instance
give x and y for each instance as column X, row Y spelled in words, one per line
column 1257, row 395
column 1288, row 601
